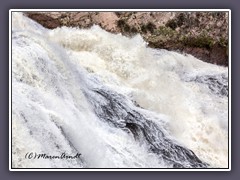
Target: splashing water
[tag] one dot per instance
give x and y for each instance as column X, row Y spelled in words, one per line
column 115, row 101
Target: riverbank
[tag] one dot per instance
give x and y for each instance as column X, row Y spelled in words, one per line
column 201, row 34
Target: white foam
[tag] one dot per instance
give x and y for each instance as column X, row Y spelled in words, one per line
column 49, row 76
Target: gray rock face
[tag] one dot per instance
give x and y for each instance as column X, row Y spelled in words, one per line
column 116, row 111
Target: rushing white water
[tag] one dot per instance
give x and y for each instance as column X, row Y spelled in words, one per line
column 115, row 101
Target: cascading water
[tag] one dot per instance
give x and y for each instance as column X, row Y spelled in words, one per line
column 115, row 101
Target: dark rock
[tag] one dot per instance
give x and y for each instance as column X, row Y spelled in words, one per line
column 45, row 20
column 114, row 109
column 218, row 55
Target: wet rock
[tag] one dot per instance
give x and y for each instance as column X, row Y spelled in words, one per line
column 114, row 109
column 219, row 55
column 46, row 20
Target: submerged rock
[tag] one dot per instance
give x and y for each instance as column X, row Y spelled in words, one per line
column 115, row 109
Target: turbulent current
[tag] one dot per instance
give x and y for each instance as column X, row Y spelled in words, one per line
column 115, row 101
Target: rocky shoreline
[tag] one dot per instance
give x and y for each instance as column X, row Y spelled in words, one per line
column 201, row 34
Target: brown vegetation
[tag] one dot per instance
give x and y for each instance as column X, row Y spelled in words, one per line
column 202, row 34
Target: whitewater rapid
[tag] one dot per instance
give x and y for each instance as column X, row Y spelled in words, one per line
column 114, row 100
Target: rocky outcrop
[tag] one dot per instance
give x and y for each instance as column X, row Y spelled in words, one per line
column 202, row 34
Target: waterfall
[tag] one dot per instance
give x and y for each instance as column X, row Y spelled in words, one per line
column 113, row 100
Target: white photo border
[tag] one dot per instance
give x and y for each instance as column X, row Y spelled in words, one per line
column 118, row 10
